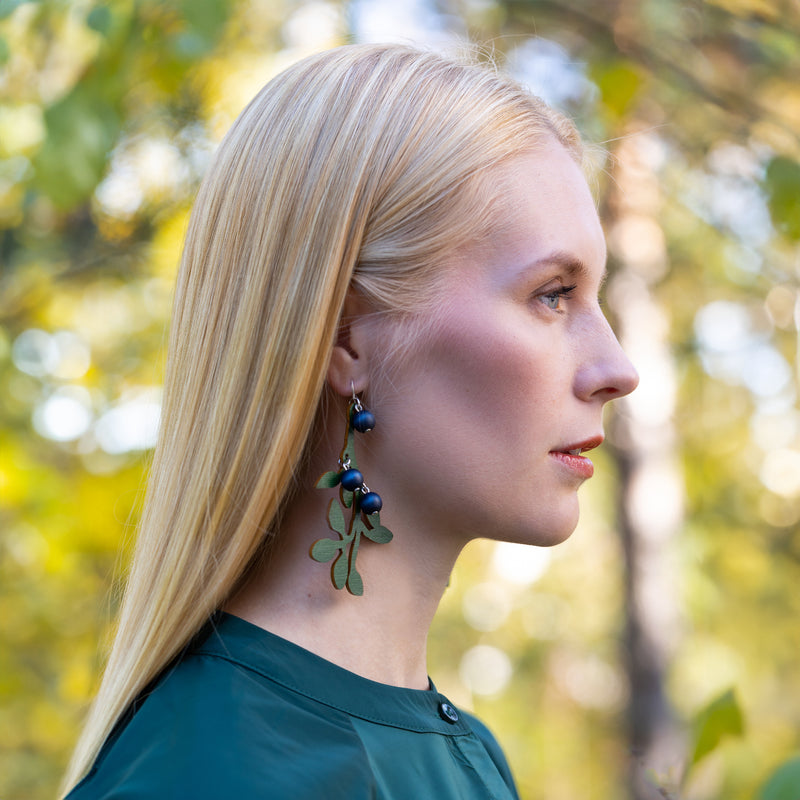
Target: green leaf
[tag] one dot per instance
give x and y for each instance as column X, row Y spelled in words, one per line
column 336, row 517
column 720, row 718
column 379, row 534
column 619, row 84
column 349, row 450
column 325, row 549
column 339, row 571
column 328, row 480
column 81, row 130
column 347, row 498
column 354, row 583
column 99, row 19
column 782, row 182
column 784, row 783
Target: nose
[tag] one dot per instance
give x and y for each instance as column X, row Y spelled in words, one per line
column 605, row 372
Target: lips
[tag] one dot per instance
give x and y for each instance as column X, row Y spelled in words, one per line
column 579, row 447
column 571, row 459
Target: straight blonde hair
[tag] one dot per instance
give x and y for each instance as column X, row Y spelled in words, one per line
column 362, row 166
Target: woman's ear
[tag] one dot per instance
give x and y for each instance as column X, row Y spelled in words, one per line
column 348, row 369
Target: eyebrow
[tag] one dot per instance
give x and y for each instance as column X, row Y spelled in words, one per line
column 573, row 266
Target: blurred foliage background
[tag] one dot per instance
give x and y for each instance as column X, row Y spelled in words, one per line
column 655, row 654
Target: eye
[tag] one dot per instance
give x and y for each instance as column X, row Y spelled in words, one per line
column 553, row 298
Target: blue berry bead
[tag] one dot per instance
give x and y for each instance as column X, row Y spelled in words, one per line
column 363, row 420
column 371, row 502
column 352, row 479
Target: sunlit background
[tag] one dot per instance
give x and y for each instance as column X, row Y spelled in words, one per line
column 657, row 652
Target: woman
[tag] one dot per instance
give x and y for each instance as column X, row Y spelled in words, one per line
column 389, row 239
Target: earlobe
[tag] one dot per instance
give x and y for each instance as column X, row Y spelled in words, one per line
column 348, row 367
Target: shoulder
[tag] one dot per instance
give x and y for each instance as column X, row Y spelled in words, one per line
column 493, row 748
column 213, row 728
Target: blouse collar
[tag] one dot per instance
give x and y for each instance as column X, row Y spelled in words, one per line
column 301, row 671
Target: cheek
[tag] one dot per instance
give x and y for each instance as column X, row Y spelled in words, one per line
column 469, row 422
column 496, row 363
column 477, row 386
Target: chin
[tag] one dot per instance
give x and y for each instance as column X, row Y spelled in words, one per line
column 550, row 530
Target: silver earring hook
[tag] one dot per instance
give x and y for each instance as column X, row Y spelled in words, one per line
column 356, row 402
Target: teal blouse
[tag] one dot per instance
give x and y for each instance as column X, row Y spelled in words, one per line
column 246, row 714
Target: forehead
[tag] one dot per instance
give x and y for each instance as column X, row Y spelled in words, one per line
column 543, row 205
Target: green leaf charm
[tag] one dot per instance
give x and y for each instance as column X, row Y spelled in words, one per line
column 345, row 549
column 379, row 534
column 339, row 571
column 328, row 480
column 354, row 583
column 325, row 549
column 336, row 518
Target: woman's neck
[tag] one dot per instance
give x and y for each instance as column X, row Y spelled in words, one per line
column 381, row 635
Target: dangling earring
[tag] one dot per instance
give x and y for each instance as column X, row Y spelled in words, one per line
column 364, row 506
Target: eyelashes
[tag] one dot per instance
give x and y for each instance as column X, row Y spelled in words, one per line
column 553, row 299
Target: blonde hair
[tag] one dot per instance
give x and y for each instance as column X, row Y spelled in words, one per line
column 362, row 166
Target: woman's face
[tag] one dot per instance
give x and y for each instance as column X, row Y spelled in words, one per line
column 481, row 428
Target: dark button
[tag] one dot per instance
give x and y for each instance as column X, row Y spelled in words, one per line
column 448, row 713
